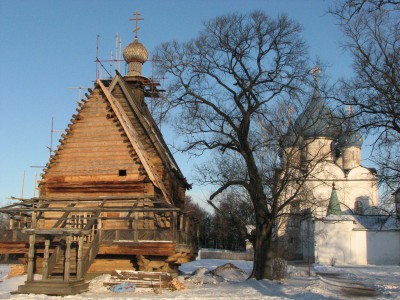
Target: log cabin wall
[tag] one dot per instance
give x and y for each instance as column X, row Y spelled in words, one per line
column 95, row 158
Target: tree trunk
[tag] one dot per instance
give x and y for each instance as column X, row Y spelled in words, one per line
column 263, row 253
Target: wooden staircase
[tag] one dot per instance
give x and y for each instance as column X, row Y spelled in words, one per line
column 63, row 272
column 58, row 270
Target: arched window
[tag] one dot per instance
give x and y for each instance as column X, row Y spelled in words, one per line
column 359, row 207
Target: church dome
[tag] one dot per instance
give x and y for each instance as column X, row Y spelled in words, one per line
column 316, row 120
column 350, row 138
column 291, row 138
column 136, row 52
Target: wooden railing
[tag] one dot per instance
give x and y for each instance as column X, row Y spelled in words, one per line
column 12, row 235
column 87, row 260
column 52, row 261
column 183, row 232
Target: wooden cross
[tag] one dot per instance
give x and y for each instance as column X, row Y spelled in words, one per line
column 136, row 19
column 315, row 72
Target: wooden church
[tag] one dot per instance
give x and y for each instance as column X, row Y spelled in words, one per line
column 111, row 198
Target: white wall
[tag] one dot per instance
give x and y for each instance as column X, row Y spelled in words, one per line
column 360, row 247
column 333, row 242
column 383, row 247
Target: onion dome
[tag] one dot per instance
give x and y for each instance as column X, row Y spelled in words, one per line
column 316, row 120
column 291, row 138
column 135, row 54
column 350, row 138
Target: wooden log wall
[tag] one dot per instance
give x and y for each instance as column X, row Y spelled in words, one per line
column 95, row 157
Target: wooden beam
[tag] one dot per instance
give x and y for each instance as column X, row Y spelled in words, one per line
column 94, row 209
column 136, row 232
column 31, row 257
column 141, row 248
column 45, row 268
column 13, row 248
column 63, row 217
column 79, row 274
column 67, row 264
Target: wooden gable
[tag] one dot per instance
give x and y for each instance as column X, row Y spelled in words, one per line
column 95, row 156
column 113, row 147
column 151, row 138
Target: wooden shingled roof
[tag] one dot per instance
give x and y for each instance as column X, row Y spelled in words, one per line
column 150, row 126
column 141, row 131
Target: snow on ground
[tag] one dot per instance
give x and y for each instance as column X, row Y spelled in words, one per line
column 386, row 279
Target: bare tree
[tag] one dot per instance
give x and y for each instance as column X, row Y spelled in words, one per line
column 203, row 218
column 234, row 215
column 236, row 88
column 372, row 28
column 237, row 67
column 347, row 9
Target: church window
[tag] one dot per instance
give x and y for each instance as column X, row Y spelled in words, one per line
column 359, row 208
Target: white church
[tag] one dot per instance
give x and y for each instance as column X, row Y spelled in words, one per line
column 344, row 225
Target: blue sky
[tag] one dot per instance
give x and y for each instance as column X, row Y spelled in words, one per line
column 48, row 46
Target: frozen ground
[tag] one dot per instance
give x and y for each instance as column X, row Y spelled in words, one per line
column 326, row 283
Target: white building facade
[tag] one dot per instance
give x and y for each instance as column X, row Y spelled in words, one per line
column 352, row 232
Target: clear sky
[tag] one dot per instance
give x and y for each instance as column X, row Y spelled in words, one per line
column 46, row 47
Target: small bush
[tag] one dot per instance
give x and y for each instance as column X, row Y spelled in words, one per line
column 279, row 268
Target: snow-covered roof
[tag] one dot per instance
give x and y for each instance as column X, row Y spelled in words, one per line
column 371, row 222
column 339, row 218
column 380, row 222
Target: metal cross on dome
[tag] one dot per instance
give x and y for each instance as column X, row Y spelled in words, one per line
column 136, row 19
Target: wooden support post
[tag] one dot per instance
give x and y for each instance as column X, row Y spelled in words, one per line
column 31, row 257
column 14, row 235
column 136, row 227
column 79, row 268
column 11, row 225
column 187, row 230
column 174, row 226
column 33, row 223
column 45, row 271
column 67, row 257
column 181, row 228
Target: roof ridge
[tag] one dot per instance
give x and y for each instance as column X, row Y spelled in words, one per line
column 150, row 125
column 131, row 132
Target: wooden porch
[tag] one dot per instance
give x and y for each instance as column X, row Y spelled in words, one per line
column 62, row 238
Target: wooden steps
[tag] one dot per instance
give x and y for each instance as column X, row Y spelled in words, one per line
column 53, row 287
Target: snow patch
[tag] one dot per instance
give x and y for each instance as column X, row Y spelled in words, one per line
column 230, row 272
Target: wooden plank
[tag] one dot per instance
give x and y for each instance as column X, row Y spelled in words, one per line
column 82, row 163
column 13, row 248
column 142, row 248
column 94, row 208
column 95, row 189
column 87, row 172
column 75, row 158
